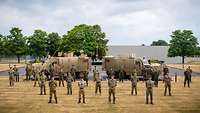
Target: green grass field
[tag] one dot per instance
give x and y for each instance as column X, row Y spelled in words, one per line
column 24, row 98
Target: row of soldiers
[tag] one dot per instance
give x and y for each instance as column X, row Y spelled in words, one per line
column 112, row 83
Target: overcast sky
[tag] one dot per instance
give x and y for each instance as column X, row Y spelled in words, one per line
column 125, row 22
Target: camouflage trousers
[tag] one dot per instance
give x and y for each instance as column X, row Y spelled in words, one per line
column 61, row 80
column 121, row 78
column 187, row 80
column 69, row 88
column 53, row 92
column 11, row 81
column 81, row 93
column 167, row 86
column 111, row 92
column 42, row 89
column 133, row 87
column 17, row 77
column 98, row 87
column 74, row 76
column 28, row 75
column 149, row 92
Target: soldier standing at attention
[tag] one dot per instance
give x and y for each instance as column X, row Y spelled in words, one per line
column 73, row 72
column 69, row 81
column 121, row 76
column 165, row 72
column 27, row 73
column 134, row 80
column 42, row 83
column 81, row 85
column 36, row 75
column 16, row 73
column 52, row 86
column 112, row 83
column 11, row 76
column 61, row 77
column 86, row 77
column 167, row 81
column 190, row 74
column 187, row 78
column 94, row 72
column 97, row 79
column 149, row 90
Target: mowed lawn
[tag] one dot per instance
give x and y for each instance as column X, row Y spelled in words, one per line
column 24, row 98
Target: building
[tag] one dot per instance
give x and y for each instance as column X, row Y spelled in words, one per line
column 149, row 52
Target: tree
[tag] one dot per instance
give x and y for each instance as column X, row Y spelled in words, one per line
column 1, row 45
column 16, row 43
column 37, row 44
column 183, row 43
column 159, row 43
column 89, row 39
column 53, row 43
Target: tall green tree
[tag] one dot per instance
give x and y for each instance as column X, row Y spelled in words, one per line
column 159, row 43
column 53, row 43
column 37, row 44
column 16, row 43
column 183, row 43
column 89, row 39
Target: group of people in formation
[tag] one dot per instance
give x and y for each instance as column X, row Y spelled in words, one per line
column 41, row 76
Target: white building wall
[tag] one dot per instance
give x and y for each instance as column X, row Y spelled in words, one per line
column 149, row 52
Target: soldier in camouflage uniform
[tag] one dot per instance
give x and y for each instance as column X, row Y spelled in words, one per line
column 112, row 83
column 149, row 90
column 81, row 85
column 52, row 86
column 51, row 70
column 36, row 75
column 27, row 72
column 11, row 76
column 86, row 77
column 73, row 72
column 167, row 80
column 69, row 81
column 16, row 73
column 165, row 71
column 110, row 73
column 187, row 78
column 61, row 77
column 190, row 74
column 156, row 78
column 97, row 79
column 134, row 80
column 42, row 81
column 121, row 75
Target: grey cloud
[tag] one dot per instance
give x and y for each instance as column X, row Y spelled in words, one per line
column 131, row 22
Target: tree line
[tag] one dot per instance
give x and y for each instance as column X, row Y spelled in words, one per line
column 88, row 39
